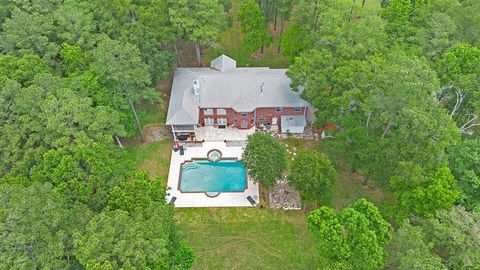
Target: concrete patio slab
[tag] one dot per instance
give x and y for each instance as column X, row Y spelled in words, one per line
column 211, row 133
column 224, row 199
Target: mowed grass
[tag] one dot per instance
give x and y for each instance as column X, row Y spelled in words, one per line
column 234, row 238
column 253, row 238
column 153, row 158
column 247, row 238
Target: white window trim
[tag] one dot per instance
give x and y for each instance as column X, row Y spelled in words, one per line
column 222, row 121
column 297, row 109
column 208, row 111
column 221, row 111
column 209, row 121
column 279, row 109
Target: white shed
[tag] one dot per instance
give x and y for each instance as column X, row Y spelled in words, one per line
column 293, row 123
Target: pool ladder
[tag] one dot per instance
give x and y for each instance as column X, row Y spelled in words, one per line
column 190, row 166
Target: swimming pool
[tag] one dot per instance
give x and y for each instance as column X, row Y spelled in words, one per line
column 202, row 175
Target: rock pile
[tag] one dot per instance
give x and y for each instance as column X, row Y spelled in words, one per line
column 282, row 196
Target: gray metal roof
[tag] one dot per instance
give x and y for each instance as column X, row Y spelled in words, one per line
column 293, row 121
column 223, row 63
column 242, row 89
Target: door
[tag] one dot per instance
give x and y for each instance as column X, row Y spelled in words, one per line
column 244, row 124
column 274, row 121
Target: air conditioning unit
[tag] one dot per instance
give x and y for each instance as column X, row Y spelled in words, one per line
column 196, row 87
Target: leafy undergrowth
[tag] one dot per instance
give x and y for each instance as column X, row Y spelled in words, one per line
column 230, row 43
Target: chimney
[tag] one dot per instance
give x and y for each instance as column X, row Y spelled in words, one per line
column 196, row 87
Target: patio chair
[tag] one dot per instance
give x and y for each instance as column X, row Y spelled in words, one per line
column 182, row 151
column 172, row 201
column 251, row 200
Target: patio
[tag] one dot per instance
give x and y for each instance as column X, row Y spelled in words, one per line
column 224, row 199
column 211, row 133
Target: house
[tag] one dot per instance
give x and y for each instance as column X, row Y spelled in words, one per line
column 225, row 96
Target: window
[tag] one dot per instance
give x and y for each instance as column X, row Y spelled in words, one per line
column 221, row 111
column 279, row 109
column 261, row 118
column 298, row 109
column 208, row 111
column 222, row 121
column 209, row 121
column 244, row 114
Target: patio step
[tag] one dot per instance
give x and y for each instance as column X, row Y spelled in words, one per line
column 190, row 166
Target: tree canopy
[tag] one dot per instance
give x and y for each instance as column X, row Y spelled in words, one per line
column 351, row 239
column 265, row 158
column 72, row 74
column 313, row 175
column 253, row 26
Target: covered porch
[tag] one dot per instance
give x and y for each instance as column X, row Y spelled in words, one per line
column 184, row 132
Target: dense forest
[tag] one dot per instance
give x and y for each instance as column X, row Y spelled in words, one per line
column 399, row 79
column 401, row 82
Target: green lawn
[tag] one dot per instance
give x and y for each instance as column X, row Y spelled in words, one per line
column 247, row 238
column 153, row 158
column 252, row 238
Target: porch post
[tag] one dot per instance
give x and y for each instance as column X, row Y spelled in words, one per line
column 173, row 132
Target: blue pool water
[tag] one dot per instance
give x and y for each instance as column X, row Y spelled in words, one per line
column 207, row 176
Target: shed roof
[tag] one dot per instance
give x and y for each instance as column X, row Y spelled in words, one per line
column 293, row 121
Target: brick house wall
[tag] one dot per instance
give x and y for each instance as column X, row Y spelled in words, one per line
column 270, row 113
column 236, row 118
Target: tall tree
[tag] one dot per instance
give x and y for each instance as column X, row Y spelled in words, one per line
column 265, row 158
column 352, row 239
column 199, row 21
column 465, row 165
column 455, row 238
column 48, row 115
column 460, row 77
column 152, row 53
column 75, row 25
column 420, row 194
column 114, row 240
column 36, row 227
column 131, row 195
column 25, row 33
column 124, row 75
column 283, row 8
column 467, row 19
column 313, row 175
column 253, row 26
column 85, row 173
column 21, row 68
column 409, row 250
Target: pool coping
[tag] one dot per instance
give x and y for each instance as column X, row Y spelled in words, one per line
column 206, row 192
column 200, row 200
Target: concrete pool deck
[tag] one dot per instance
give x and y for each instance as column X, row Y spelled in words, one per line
column 224, row 199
